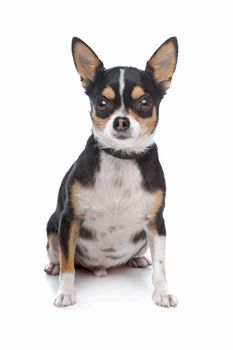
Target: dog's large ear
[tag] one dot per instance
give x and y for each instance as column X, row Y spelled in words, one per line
column 86, row 61
column 162, row 63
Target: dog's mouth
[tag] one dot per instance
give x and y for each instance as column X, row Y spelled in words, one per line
column 122, row 136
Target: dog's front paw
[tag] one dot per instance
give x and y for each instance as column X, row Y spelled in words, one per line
column 65, row 299
column 165, row 300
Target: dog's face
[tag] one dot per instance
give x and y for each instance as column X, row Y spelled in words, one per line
column 125, row 100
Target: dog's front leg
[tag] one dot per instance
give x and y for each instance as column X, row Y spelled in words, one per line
column 68, row 233
column 156, row 235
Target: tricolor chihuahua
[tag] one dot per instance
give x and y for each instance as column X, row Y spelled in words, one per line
column 111, row 201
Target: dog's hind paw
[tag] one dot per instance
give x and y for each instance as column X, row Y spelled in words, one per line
column 139, row 261
column 99, row 272
column 165, row 300
column 52, row 269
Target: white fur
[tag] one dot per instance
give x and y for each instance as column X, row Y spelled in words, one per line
column 135, row 143
column 117, row 201
column 53, row 254
column 122, row 85
column 161, row 294
column 66, row 294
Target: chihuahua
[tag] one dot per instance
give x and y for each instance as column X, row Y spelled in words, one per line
column 111, row 201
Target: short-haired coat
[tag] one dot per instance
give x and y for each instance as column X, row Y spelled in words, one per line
column 110, row 203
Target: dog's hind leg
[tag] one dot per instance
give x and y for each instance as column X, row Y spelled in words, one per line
column 68, row 234
column 53, row 267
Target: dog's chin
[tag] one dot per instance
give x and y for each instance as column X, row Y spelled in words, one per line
column 126, row 143
column 117, row 142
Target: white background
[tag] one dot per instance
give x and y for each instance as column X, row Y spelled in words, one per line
column 44, row 126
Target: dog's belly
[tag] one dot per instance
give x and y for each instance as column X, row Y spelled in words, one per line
column 114, row 212
column 110, row 237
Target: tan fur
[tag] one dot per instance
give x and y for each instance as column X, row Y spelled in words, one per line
column 158, row 200
column 67, row 264
column 53, row 239
column 86, row 63
column 76, row 187
column 98, row 122
column 147, row 124
column 109, row 93
column 137, row 92
column 163, row 63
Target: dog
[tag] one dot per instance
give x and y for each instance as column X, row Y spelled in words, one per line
column 111, row 201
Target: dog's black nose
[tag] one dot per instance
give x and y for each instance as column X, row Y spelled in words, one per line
column 121, row 123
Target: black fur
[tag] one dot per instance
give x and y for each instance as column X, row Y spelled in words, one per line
column 88, row 163
column 64, row 233
column 86, row 234
column 139, row 236
column 124, row 155
column 151, row 169
column 159, row 221
column 133, row 77
column 153, row 179
column 83, row 170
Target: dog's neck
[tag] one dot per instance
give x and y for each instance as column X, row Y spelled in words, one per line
column 122, row 154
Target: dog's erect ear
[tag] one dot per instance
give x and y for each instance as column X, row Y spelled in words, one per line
column 162, row 63
column 86, row 61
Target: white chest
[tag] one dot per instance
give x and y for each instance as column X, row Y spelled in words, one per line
column 116, row 208
column 117, row 198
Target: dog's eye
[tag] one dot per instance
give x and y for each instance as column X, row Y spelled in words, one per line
column 145, row 104
column 101, row 104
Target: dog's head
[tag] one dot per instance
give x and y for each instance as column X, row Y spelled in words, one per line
column 125, row 100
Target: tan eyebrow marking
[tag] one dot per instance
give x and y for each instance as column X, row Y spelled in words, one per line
column 109, row 93
column 137, row 92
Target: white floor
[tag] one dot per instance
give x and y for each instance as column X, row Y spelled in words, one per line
column 44, row 126
column 113, row 312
